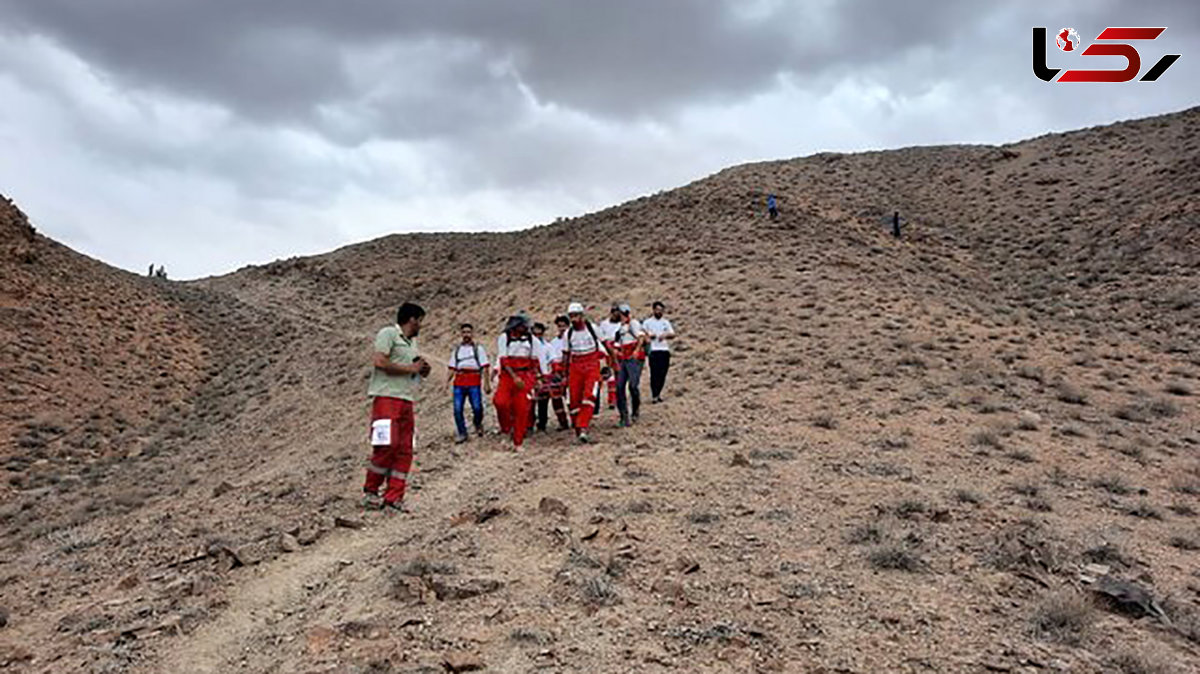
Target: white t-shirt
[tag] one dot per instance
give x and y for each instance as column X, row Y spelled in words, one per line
column 582, row 342
column 522, row 348
column 607, row 329
column 463, row 357
column 628, row 334
column 554, row 350
column 658, row 326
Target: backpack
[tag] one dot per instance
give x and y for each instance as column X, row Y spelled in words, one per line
column 567, row 342
column 478, row 363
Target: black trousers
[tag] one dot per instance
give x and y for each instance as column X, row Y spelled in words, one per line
column 660, row 362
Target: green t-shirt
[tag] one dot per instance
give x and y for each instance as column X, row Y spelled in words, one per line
column 401, row 351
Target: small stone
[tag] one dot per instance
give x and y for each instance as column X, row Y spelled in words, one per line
column 739, row 460
column 1029, row 419
column 552, row 506
column 459, row 661
column 288, row 543
column 348, row 523
column 463, row 589
column 3, row 618
column 686, row 565
column 222, row 488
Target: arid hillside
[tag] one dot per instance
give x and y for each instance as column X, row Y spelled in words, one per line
column 972, row 449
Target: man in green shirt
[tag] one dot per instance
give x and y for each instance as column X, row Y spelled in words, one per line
column 395, row 379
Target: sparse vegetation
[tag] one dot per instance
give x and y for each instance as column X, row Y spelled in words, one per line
column 1113, row 484
column 1063, row 616
column 824, row 420
column 1071, row 394
column 896, row 557
column 1144, row 510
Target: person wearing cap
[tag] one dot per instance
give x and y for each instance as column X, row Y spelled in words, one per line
column 608, row 326
column 584, row 350
column 396, row 374
column 469, row 371
column 520, row 362
column 627, row 343
column 660, row 332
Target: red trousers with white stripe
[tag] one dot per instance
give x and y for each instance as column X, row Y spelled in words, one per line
column 391, row 462
column 583, row 388
column 514, row 406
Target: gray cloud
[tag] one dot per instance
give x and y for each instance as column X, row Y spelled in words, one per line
column 331, row 121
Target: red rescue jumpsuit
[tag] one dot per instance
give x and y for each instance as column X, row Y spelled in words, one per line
column 583, row 380
column 514, row 405
column 393, row 460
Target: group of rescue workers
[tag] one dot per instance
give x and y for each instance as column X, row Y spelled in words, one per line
column 531, row 375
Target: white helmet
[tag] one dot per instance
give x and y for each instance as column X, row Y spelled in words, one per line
column 575, row 308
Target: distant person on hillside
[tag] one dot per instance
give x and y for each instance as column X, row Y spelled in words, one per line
column 469, row 371
column 555, row 383
column 397, row 370
column 660, row 332
column 519, row 359
column 772, row 208
column 151, row 272
column 627, row 342
column 584, row 352
column 896, row 224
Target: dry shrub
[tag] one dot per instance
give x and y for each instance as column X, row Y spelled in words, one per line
column 1063, row 616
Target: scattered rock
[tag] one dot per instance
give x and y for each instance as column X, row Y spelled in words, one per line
column 308, row 535
column 128, row 582
column 489, row 513
column 409, row 590
column 460, row 661
column 222, row 488
column 3, row 618
column 552, row 506
column 686, row 565
column 288, row 543
column 453, row 590
column 348, row 523
column 1028, row 419
column 1127, row 597
column 228, row 557
column 739, row 460
column 320, row 638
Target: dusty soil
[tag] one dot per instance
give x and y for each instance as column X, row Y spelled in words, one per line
column 876, row 455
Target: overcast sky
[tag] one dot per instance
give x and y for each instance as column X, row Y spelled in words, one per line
column 209, row 134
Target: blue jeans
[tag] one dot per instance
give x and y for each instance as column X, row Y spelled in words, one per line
column 629, row 372
column 461, row 393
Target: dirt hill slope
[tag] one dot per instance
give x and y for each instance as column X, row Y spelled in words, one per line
column 877, row 455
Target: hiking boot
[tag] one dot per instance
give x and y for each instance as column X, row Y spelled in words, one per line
column 460, row 439
column 624, row 423
column 633, row 419
column 394, row 508
column 656, row 400
column 372, row 501
column 583, row 439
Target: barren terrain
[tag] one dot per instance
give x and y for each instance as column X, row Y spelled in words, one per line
column 944, row 453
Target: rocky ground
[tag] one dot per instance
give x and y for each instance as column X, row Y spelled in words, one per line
column 973, row 449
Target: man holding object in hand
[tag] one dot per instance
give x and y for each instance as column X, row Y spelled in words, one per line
column 395, row 379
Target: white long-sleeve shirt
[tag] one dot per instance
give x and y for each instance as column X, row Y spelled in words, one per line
column 522, row 348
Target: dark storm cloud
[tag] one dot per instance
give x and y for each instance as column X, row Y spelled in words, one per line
column 299, row 61
column 333, row 120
